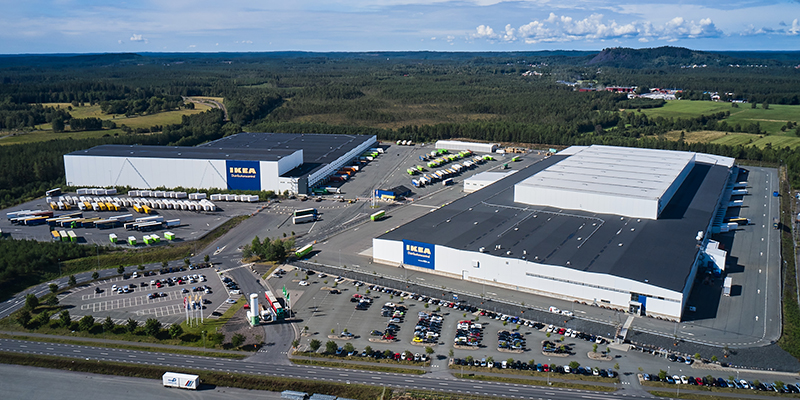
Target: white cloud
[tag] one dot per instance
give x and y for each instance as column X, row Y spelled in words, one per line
column 191, row 46
column 138, row 38
column 564, row 28
column 795, row 27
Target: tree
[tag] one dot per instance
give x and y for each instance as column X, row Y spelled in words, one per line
column 108, row 324
column 152, row 327
column 72, row 280
column 57, row 124
column 714, row 358
column 450, row 353
column 131, row 325
column 765, row 106
column 662, row 374
column 368, row 349
column 31, row 301
column 175, row 331
column 295, row 343
column 51, row 299
column 53, row 288
column 331, row 347
column 429, row 350
column 121, row 270
column 594, row 348
column 86, row 323
column 697, row 356
column 237, row 340
column 574, row 365
column 164, row 264
column 387, row 353
column 314, row 345
column 23, row 317
column 141, row 267
column 206, row 258
column 187, row 262
column 65, row 319
column 348, row 347
column 95, row 275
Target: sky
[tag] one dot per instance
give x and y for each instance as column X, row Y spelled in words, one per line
column 93, row 26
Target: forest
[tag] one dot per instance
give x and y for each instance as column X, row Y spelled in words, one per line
column 422, row 96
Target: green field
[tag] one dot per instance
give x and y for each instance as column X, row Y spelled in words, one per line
column 771, row 119
column 44, row 132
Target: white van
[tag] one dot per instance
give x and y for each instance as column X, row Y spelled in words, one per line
column 555, row 310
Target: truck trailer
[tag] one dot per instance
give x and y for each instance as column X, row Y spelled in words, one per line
column 183, row 381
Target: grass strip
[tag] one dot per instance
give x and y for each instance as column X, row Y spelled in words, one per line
column 431, row 395
column 244, row 381
column 571, row 377
column 334, row 364
column 126, row 346
column 364, row 359
column 533, row 382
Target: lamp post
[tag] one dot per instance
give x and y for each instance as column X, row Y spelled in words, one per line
column 549, row 367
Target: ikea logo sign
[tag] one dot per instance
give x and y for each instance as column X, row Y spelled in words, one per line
column 243, row 175
column 243, row 171
column 418, row 254
column 418, row 249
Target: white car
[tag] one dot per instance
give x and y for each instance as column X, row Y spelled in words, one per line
column 135, row 274
column 113, row 288
column 237, row 291
column 231, row 301
column 303, row 283
column 567, row 313
column 339, row 280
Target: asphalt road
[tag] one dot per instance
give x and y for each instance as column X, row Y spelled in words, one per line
column 445, row 383
column 68, row 385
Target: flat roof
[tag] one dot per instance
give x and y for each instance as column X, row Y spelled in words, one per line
column 658, row 252
column 318, row 149
column 616, row 171
column 182, row 152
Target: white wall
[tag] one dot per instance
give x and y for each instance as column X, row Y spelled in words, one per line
column 548, row 280
column 145, row 173
column 634, row 207
column 459, row 146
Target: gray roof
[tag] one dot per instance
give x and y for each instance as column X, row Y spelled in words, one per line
column 659, row 252
column 204, row 153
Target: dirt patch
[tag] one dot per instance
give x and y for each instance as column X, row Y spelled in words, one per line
column 254, row 335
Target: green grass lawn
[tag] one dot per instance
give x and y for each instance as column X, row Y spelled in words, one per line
column 771, row 119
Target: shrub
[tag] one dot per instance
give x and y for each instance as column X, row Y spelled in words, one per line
column 314, row 345
column 237, row 340
column 86, row 323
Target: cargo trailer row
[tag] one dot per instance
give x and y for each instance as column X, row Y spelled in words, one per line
column 96, row 191
column 144, row 205
column 245, row 198
column 447, row 173
column 157, row 193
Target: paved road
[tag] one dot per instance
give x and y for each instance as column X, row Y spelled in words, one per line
column 446, row 383
column 68, row 385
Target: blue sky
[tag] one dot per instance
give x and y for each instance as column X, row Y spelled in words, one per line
column 83, row 26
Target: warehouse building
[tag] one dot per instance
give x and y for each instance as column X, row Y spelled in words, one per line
column 247, row 161
column 641, row 256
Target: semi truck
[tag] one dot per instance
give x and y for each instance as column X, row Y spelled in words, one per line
column 183, row 381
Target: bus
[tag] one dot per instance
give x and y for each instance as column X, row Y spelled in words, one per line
column 305, row 211
column 53, row 192
column 56, row 236
column 377, row 216
column 303, row 251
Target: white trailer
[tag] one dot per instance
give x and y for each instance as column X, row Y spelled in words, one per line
column 726, row 287
column 183, row 381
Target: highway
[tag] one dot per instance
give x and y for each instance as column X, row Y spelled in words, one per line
column 437, row 381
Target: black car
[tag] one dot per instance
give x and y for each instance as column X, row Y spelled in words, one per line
column 335, row 291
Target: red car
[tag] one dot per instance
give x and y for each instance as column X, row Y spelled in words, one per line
column 561, row 331
column 388, row 337
column 546, row 368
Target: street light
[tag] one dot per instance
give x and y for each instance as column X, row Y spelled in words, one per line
column 549, row 367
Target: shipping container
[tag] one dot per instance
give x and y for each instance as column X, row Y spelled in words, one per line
column 726, row 287
column 448, row 181
column 169, row 235
column 172, row 222
column 132, row 240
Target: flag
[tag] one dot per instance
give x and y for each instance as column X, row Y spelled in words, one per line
column 285, row 293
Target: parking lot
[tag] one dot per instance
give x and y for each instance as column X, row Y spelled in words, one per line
column 152, row 294
column 376, row 323
column 193, row 224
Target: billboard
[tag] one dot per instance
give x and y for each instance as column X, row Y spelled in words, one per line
column 418, row 254
column 243, row 175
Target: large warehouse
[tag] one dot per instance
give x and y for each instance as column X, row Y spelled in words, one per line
column 247, row 161
column 601, row 225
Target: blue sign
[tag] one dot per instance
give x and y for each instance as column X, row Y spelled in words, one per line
column 243, row 175
column 418, row 254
